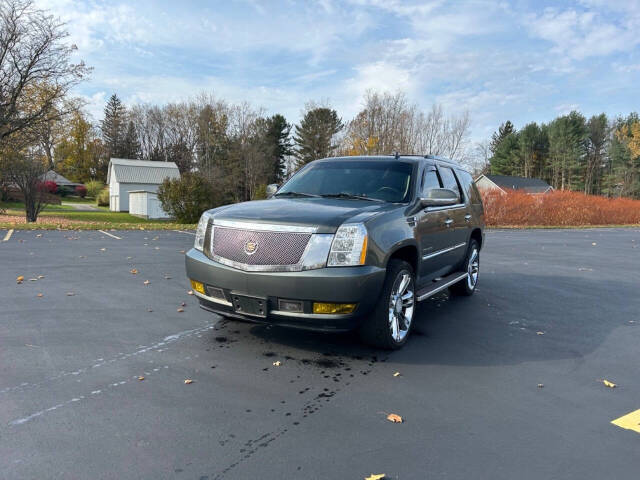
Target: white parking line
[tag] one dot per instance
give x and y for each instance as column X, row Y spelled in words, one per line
column 111, row 235
column 182, row 231
column 8, row 236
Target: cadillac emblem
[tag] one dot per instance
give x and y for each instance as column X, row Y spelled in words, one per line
column 250, row 247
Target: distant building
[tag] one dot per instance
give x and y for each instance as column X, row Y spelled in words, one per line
column 506, row 182
column 61, row 181
column 134, row 175
column 146, row 205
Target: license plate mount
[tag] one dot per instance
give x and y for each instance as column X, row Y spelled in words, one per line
column 253, row 306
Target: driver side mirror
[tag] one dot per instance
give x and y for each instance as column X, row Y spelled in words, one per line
column 272, row 188
column 439, row 197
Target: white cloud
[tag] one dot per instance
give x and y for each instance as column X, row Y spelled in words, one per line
column 581, row 34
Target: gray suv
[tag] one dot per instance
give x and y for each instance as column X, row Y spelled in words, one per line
column 346, row 243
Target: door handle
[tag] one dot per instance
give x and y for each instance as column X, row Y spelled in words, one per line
column 467, row 217
column 448, row 222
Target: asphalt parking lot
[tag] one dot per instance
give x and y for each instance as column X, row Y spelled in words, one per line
column 506, row 384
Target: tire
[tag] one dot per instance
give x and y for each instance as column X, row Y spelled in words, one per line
column 390, row 322
column 471, row 265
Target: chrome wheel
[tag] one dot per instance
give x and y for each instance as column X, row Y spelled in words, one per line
column 401, row 305
column 473, row 268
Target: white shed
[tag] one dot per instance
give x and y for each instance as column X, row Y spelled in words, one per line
column 145, row 204
column 131, row 175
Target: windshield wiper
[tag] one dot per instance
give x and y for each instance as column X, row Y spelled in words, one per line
column 296, row 194
column 350, row 195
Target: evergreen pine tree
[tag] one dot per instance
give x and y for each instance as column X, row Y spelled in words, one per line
column 114, row 126
column 279, row 142
column 504, row 131
column 314, row 136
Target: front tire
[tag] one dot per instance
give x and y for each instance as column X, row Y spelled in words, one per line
column 471, row 264
column 390, row 322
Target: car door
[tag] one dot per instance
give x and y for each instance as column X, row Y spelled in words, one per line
column 433, row 235
column 456, row 221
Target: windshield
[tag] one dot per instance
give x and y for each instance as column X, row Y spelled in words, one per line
column 376, row 180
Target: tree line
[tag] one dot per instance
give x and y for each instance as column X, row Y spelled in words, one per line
column 599, row 155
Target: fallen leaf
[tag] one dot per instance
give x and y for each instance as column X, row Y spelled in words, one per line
column 376, row 476
column 190, row 292
column 70, row 294
column 541, row 385
column 146, row 282
column 539, row 333
column 277, row 363
column 397, row 374
column 141, row 378
column 392, row 417
column 188, row 381
column 180, row 310
column 609, row 384
column 20, row 279
column 133, row 271
column 40, row 295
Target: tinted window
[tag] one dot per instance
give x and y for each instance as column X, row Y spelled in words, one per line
column 469, row 186
column 388, row 181
column 430, row 180
column 449, row 180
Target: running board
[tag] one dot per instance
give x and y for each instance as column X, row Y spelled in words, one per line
column 437, row 287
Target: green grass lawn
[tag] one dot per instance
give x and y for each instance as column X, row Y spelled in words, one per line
column 53, row 215
column 17, row 206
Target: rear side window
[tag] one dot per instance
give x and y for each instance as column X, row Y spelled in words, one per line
column 430, row 180
column 449, row 180
column 469, row 186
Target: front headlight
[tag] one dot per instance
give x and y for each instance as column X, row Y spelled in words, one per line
column 349, row 246
column 201, row 231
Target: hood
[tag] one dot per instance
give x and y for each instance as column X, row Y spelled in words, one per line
column 325, row 213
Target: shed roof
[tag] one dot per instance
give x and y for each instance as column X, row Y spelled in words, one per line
column 531, row 185
column 142, row 171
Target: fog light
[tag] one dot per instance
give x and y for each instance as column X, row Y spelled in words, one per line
column 197, row 286
column 320, row 307
column 294, row 306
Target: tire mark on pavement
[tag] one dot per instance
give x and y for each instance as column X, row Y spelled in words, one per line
column 100, row 362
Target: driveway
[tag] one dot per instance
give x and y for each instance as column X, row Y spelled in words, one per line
column 507, row 384
column 82, row 207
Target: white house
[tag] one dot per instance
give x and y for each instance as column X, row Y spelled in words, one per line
column 130, row 175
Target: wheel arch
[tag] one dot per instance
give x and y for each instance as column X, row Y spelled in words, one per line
column 476, row 235
column 407, row 251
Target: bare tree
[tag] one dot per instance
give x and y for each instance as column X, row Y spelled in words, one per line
column 35, row 62
column 389, row 123
column 25, row 170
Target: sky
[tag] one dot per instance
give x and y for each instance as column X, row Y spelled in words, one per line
column 520, row 60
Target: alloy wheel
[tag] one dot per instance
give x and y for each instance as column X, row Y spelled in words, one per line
column 401, row 306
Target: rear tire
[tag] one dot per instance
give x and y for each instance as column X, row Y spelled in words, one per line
column 390, row 322
column 471, row 265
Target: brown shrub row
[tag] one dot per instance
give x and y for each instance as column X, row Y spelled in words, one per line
column 558, row 209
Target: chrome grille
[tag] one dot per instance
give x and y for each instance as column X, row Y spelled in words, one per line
column 270, row 248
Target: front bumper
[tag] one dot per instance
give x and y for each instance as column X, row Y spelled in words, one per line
column 360, row 285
